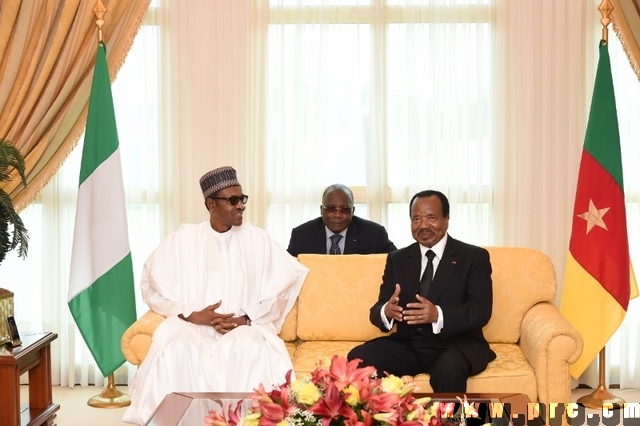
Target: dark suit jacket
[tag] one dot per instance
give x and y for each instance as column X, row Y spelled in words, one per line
column 363, row 237
column 461, row 287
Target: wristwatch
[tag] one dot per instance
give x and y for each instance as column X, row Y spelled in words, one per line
column 247, row 318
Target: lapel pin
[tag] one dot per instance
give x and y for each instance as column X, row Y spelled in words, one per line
column 453, row 262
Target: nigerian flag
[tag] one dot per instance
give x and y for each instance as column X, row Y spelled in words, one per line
column 101, row 293
column 599, row 279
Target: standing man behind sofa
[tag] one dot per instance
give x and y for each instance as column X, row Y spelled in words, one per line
column 439, row 316
column 338, row 231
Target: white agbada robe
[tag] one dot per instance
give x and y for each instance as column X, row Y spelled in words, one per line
column 196, row 267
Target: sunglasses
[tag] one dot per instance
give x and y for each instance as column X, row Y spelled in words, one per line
column 335, row 209
column 234, row 200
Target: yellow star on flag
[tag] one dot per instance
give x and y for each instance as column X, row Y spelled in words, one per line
column 594, row 216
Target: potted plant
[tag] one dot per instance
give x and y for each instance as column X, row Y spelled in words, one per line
column 13, row 234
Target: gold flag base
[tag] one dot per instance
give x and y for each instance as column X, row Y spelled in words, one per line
column 601, row 395
column 111, row 397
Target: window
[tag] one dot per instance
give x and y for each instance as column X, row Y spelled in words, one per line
column 354, row 94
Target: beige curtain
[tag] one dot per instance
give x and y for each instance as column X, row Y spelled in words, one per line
column 543, row 77
column 626, row 23
column 206, row 119
column 47, row 53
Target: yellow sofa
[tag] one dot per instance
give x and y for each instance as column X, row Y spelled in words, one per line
column 534, row 344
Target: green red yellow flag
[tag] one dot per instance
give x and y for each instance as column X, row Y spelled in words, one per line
column 599, row 278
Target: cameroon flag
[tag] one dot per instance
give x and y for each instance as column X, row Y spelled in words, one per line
column 599, row 279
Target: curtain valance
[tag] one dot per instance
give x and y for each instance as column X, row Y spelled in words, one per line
column 47, row 53
column 626, row 23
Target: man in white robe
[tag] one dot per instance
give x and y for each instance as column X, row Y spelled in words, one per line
column 225, row 287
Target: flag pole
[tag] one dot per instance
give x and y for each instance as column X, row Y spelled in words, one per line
column 111, row 397
column 601, row 395
column 605, row 9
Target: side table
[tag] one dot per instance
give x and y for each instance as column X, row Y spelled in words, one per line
column 33, row 356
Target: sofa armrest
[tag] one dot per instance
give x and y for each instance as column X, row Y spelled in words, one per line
column 551, row 345
column 136, row 341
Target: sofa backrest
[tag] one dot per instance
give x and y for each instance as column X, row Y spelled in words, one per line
column 289, row 328
column 337, row 294
column 522, row 277
column 339, row 290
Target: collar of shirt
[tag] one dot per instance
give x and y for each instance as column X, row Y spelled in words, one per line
column 438, row 249
column 329, row 233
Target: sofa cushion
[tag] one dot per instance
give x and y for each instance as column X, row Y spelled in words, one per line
column 288, row 332
column 521, row 277
column 292, row 348
column 309, row 354
column 336, row 297
column 509, row 372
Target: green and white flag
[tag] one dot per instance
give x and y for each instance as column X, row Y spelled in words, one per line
column 101, row 290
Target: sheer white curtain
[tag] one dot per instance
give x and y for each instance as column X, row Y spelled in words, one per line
column 541, row 113
column 482, row 100
column 207, row 95
column 387, row 98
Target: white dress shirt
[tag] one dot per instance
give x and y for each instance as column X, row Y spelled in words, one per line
column 438, row 249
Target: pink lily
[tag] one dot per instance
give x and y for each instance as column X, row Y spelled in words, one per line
column 347, row 372
column 215, row 419
column 434, row 422
column 366, row 388
column 390, row 417
column 447, row 409
column 332, row 406
column 367, row 420
column 261, row 394
column 236, row 415
column 411, row 423
column 383, row 402
column 272, row 414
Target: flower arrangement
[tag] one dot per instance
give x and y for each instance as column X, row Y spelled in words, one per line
column 342, row 394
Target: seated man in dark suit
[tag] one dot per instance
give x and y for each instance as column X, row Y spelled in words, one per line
column 439, row 317
column 338, row 231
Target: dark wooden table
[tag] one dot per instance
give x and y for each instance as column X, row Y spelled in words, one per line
column 34, row 357
column 176, row 407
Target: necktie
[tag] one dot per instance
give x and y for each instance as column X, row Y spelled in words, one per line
column 427, row 276
column 335, row 248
